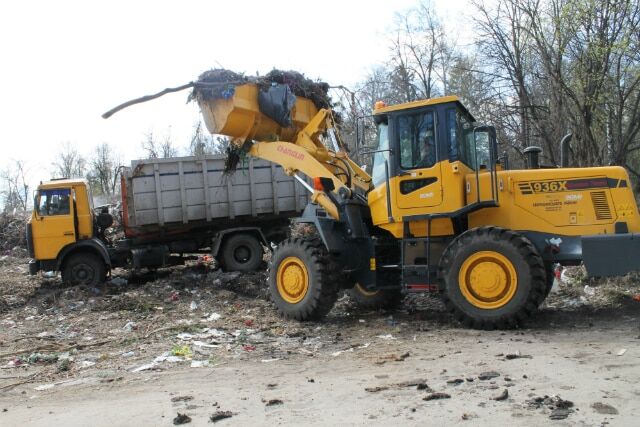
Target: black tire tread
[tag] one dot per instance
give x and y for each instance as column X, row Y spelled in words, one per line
column 87, row 257
column 229, row 264
column 529, row 254
column 324, row 291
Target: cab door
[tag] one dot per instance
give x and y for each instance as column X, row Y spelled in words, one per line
column 54, row 224
column 419, row 178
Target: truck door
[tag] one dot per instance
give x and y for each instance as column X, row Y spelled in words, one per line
column 54, row 224
column 419, row 183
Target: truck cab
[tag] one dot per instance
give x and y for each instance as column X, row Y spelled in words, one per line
column 61, row 233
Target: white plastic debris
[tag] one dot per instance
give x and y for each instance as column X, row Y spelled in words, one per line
column 185, row 336
column 588, row 290
column 130, row 326
column 193, row 306
column 145, row 367
column 621, row 351
column 204, row 344
column 213, row 316
column 386, row 337
column 44, row 387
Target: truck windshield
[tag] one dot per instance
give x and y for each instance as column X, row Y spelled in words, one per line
column 378, row 174
column 54, row 202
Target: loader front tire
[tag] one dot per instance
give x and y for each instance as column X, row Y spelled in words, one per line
column 492, row 278
column 303, row 279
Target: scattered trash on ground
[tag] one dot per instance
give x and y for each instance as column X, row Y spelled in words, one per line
column 273, row 402
column 560, row 408
column 220, row 415
column 502, row 396
column 488, row 375
column 181, row 419
column 437, row 396
column 603, row 408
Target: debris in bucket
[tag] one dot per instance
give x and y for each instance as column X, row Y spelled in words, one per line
column 220, row 84
column 217, row 83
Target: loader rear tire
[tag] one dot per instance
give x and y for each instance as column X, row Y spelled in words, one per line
column 304, row 280
column 374, row 300
column 492, row 278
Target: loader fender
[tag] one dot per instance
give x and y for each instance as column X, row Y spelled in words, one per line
column 357, row 255
column 88, row 245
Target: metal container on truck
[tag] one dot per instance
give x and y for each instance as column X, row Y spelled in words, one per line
column 170, row 207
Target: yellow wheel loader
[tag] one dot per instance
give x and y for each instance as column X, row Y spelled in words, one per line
column 440, row 211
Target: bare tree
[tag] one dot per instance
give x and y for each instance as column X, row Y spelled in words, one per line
column 105, row 170
column 159, row 147
column 15, row 187
column 69, row 163
column 202, row 143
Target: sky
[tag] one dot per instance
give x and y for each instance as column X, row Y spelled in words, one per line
column 67, row 62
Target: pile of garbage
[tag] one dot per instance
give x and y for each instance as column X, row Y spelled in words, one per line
column 12, row 231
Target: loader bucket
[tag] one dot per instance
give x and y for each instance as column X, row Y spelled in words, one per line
column 239, row 116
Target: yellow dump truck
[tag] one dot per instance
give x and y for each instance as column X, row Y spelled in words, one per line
column 170, row 207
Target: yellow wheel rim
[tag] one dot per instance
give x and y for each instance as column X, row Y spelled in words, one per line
column 292, row 280
column 488, row 280
column 361, row 289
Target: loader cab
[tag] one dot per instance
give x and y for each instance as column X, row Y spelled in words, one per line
column 426, row 148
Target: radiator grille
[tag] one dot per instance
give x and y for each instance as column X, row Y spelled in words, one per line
column 601, row 205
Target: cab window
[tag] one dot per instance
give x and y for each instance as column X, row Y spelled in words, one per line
column 378, row 174
column 460, row 136
column 416, row 133
column 54, row 202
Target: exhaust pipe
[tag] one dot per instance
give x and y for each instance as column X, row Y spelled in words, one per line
column 532, row 154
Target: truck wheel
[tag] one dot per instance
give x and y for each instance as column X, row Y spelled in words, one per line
column 303, row 279
column 374, row 300
column 492, row 278
column 83, row 269
column 242, row 252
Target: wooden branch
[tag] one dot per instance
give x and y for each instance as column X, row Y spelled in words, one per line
column 54, row 347
column 146, row 98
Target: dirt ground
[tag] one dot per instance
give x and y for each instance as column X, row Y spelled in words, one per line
column 208, row 345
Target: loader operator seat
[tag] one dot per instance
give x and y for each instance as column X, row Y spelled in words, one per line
column 427, row 151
